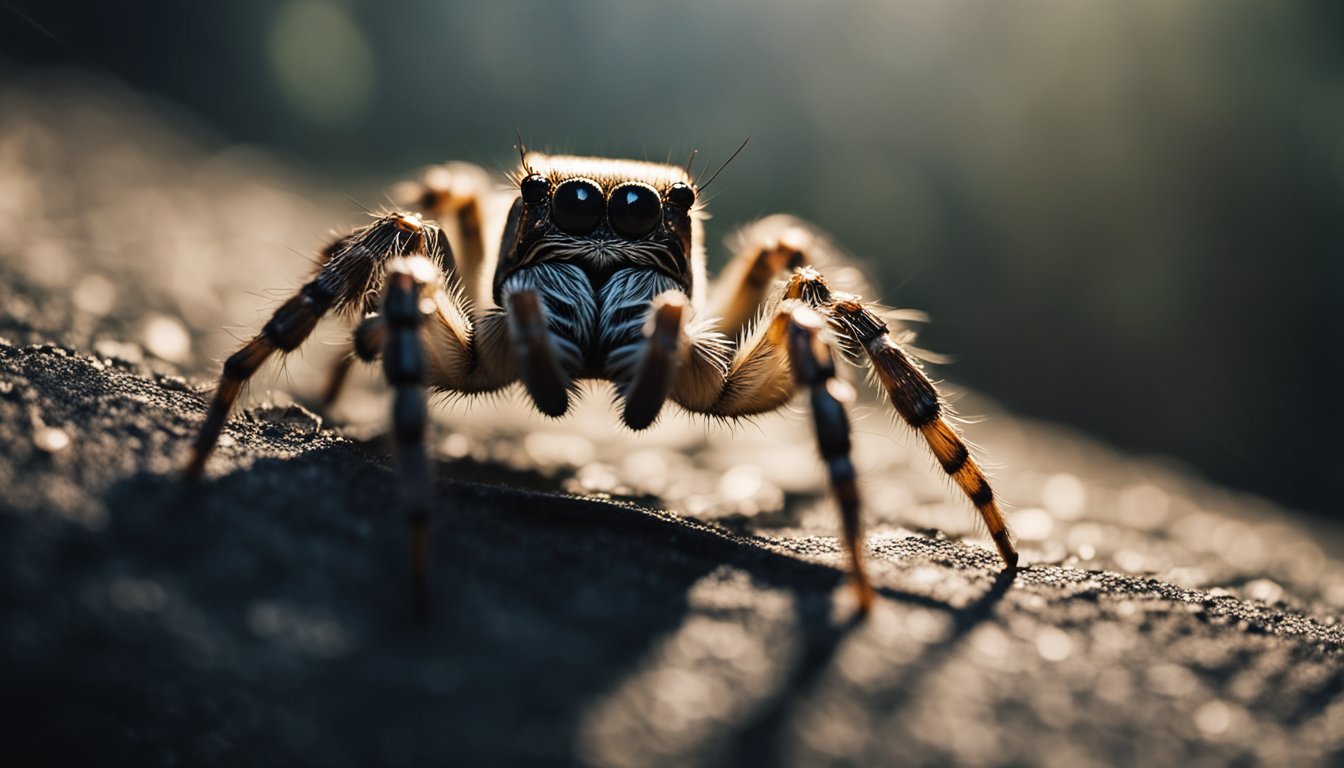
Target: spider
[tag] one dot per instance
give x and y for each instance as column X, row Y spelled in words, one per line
column 600, row 274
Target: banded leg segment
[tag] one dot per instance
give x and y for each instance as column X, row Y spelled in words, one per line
column 353, row 265
column 785, row 352
column 404, row 368
column 918, row 402
column 814, row 368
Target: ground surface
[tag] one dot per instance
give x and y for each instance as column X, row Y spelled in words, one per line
column 598, row 599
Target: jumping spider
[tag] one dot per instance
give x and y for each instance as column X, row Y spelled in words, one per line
column 600, row 274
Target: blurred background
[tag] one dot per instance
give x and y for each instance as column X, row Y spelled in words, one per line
column 1124, row 217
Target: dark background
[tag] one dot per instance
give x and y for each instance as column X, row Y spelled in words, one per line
column 1122, row 216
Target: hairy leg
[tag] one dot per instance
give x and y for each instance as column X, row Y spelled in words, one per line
column 404, row 368
column 921, row 406
column 426, row 341
column 455, row 195
column 758, row 378
column 814, row 368
column 783, row 351
column 347, row 281
column 786, row 351
column 763, row 252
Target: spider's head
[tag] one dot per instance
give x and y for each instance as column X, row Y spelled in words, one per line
column 603, row 215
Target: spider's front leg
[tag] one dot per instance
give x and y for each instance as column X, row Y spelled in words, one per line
column 814, row 368
column 404, row 368
column 427, row 340
column 786, row 350
column 353, row 266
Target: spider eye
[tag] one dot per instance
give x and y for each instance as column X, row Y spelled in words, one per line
column 576, row 206
column 535, row 188
column 681, row 195
column 634, row 210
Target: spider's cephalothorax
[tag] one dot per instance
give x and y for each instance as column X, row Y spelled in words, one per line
column 602, row 215
column 597, row 240
column 600, row 275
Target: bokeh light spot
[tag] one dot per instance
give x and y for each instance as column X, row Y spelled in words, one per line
column 322, row 61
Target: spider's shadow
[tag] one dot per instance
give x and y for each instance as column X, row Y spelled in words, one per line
column 542, row 604
column 765, row 736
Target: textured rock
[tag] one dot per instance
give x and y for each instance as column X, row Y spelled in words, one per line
column 598, row 598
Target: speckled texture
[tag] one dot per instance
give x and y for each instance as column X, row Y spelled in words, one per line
column 599, row 598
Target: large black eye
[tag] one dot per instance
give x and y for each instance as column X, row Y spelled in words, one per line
column 576, row 206
column 681, row 195
column 535, row 188
column 634, row 210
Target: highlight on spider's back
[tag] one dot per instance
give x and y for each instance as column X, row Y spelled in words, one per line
column 599, row 273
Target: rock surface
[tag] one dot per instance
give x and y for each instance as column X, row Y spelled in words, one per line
column 597, row 598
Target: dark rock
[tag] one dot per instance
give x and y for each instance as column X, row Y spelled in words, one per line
column 587, row 606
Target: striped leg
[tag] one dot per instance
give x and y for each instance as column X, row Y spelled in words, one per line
column 814, row 368
column 353, row 265
column 786, row 352
column 404, row 368
column 920, row 405
column 452, row 195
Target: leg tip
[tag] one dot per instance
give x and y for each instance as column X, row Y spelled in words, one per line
column 864, row 594
column 1007, row 551
column 194, row 468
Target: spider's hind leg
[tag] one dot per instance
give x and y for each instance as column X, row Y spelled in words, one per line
column 766, row 250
